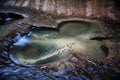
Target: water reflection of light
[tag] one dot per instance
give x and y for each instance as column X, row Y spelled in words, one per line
column 47, row 45
column 22, row 42
column 59, row 53
column 8, row 19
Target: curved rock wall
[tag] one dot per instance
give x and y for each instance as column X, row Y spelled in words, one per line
column 105, row 9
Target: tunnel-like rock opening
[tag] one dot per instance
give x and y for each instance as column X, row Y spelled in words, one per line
column 8, row 16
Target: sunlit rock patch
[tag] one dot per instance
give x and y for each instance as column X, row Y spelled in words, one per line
column 44, row 45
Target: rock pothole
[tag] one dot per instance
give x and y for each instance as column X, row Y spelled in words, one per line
column 45, row 45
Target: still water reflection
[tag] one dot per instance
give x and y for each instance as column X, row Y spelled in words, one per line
column 45, row 46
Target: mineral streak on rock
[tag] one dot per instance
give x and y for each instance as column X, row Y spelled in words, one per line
column 103, row 9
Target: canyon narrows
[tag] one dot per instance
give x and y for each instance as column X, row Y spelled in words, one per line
column 59, row 40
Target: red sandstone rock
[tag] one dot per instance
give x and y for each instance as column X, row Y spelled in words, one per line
column 103, row 9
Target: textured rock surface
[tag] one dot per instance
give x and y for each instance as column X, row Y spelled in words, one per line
column 37, row 12
column 102, row 9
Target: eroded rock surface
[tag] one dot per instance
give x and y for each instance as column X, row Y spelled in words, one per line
column 40, row 13
column 80, row 8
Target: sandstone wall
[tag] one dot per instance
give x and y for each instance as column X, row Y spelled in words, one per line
column 105, row 9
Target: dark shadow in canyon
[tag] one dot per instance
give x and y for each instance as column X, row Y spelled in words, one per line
column 9, row 16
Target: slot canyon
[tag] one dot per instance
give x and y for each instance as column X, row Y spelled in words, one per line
column 59, row 39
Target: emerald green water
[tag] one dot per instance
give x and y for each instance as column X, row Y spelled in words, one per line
column 44, row 46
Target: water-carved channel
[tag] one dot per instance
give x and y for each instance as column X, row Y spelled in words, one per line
column 42, row 45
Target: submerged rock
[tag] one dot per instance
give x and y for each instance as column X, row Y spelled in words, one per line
column 47, row 45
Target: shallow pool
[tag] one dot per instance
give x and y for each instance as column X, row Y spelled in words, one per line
column 43, row 46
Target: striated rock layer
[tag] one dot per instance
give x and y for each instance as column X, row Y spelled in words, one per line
column 102, row 9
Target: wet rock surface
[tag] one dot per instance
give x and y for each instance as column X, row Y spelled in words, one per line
column 87, row 68
column 69, row 69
